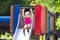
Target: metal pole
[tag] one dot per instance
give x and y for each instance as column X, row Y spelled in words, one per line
column 27, row 7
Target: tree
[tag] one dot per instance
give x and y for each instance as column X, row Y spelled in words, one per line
column 52, row 5
column 5, row 4
column 58, row 23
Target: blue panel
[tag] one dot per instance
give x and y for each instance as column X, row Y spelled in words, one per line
column 16, row 13
column 4, row 19
column 48, row 22
column 48, row 34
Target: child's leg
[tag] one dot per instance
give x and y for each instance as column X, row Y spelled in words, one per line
column 28, row 27
column 24, row 29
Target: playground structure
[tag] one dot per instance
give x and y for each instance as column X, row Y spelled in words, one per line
column 43, row 23
column 7, row 20
column 4, row 21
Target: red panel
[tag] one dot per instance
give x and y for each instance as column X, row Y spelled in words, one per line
column 38, row 19
column 43, row 19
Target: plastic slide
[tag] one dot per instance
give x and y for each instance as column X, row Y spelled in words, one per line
column 18, row 35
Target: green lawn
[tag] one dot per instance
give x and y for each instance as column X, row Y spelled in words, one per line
column 58, row 38
column 6, row 36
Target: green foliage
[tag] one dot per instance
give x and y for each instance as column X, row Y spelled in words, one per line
column 48, row 3
column 58, row 23
column 57, row 3
column 5, row 4
column 25, row 2
column 6, row 36
column 52, row 5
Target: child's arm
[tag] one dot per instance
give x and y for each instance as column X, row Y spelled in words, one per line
column 31, row 12
column 23, row 13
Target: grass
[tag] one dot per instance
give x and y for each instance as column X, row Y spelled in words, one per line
column 6, row 36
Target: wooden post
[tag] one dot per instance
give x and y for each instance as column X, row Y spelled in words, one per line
column 44, row 37
column 52, row 23
column 11, row 19
column 51, row 37
column 41, row 37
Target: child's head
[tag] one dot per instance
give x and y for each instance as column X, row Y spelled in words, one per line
column 27, row 13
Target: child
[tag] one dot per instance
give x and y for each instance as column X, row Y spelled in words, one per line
column 27, row 20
